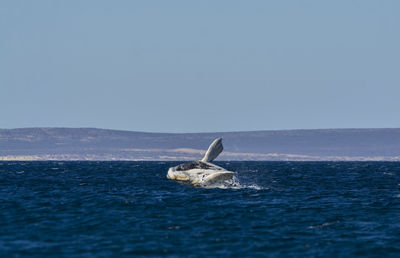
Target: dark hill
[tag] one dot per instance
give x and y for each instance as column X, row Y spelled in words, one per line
column 101, row 144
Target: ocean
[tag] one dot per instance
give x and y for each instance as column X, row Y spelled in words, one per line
column 278, row 209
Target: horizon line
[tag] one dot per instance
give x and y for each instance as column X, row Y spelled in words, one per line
column 212, row 132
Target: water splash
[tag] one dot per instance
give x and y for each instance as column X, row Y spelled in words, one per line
column 233, row 183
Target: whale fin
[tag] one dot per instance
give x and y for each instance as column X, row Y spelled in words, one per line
column 213, row 151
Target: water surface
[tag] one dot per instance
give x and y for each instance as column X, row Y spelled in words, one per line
column 92, row 209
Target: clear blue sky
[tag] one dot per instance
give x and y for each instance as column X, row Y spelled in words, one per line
column 196, row 66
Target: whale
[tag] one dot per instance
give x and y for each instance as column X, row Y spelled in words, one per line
column 202, row 173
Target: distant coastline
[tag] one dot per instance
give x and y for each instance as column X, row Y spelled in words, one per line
column 30, row 144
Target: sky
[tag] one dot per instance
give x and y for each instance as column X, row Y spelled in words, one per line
column 200, row 66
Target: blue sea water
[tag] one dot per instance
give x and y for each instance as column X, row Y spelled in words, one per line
column 294, row 209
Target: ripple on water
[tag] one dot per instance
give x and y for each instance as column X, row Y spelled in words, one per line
column 267, row 209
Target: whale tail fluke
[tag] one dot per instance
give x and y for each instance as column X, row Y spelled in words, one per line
column 213, row 151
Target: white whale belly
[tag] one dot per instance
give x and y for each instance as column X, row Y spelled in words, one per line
column 201, row 176
column 199, row 173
